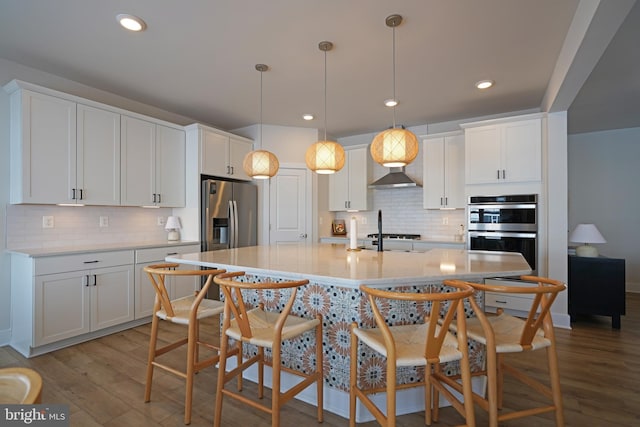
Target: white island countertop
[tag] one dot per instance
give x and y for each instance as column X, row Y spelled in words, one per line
column 333, row 264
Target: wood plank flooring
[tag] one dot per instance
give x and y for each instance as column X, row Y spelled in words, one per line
column 103, row 382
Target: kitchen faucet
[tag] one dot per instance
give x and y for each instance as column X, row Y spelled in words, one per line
column 380, row 230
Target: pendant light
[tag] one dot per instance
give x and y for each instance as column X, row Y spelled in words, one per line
column 396, row 146
column 260, row 164
column 325, row 157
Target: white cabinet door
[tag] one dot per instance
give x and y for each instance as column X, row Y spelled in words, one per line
column 137, row 162
column 433, row 189
column 443, row 172
column 483, row 155
column 112, row 296
column 62, row 306
column 98, row 157
column 145, row 294
column 348, row 188
column 523, row 151
column 170, row 167
column 214, row 149
column 339, row 188
column 358, row 177
column 43, row 148
column 238, row 149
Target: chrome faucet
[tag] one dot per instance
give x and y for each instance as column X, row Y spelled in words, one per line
column 380, row 230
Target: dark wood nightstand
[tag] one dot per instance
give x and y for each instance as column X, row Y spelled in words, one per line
column 597, row 286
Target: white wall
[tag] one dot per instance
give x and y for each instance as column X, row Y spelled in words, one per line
column 603, row 189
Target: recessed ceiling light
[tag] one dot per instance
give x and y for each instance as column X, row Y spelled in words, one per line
column 390, row 102
column 484, row 84
column 130, row 22
column 307, row 116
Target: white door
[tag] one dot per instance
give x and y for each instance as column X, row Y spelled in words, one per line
column 288, row 206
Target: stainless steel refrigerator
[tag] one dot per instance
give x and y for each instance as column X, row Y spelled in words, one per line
column 229, row 216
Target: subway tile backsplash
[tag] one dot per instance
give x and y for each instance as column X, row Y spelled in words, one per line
column 402, row 212
column 77, row 226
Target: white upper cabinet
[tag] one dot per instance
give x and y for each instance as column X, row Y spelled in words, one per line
column 443, row 186
column 222, row 154
column 63, row 152
column 348, row 188
column 153, row 164
column 70, row 150
column 509, row 151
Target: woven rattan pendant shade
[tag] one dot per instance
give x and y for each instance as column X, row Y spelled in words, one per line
column 325, row 157
column 260, row 164
column 394, row 148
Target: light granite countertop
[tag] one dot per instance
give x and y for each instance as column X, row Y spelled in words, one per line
column 332, row 264
column 105, row 247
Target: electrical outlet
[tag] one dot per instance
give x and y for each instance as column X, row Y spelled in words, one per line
column 47, row 222
column 445, row 220
column 104, row 221
column 160, row 221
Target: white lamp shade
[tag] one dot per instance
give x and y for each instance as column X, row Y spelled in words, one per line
column 173, row 223
column 586, row 233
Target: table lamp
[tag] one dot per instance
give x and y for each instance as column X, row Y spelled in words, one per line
column 586, row 233
column 173, row 227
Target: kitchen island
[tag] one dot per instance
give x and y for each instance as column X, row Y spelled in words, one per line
column 334, row 275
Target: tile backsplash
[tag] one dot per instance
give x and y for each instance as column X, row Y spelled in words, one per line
column 402, row 212
column 77, row 226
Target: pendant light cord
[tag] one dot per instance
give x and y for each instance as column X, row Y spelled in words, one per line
column 394, row 75
column 325, row 95
column 261, row 72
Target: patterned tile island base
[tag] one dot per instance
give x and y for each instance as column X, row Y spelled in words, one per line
column 334, row 276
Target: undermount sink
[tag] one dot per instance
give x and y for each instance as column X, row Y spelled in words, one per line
column 20, row 386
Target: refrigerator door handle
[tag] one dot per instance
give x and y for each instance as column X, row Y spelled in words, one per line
column 232, row 224
column 235, row 224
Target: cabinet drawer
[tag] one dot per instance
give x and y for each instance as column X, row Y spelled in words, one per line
column 86, row 261
column 159, row 254
column 511, row 302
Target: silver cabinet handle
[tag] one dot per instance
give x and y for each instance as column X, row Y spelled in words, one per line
column 503, row 174
column 498, row 171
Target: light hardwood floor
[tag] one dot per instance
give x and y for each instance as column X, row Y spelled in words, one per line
column 103, row 382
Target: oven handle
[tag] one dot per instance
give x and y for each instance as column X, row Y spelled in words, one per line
column 503, row 206
column 498, row 235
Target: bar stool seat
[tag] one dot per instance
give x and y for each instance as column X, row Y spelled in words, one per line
column 20, row 386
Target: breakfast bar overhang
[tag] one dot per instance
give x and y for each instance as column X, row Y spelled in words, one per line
column 334, row 275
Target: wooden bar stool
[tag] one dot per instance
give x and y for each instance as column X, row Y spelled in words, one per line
column 504, row 334
column 187, row 311
column 426, row 343
column 20, row 386
column 264, row 329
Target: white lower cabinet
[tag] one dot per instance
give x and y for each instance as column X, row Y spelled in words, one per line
column 74, row 303
column 178, row 286
column 55, row 300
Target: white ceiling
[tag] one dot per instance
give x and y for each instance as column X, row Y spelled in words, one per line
column 197, row 58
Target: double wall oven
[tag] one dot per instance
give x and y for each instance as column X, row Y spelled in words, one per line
column 504, row 223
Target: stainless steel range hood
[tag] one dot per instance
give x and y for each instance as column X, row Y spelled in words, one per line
column 396, row 178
